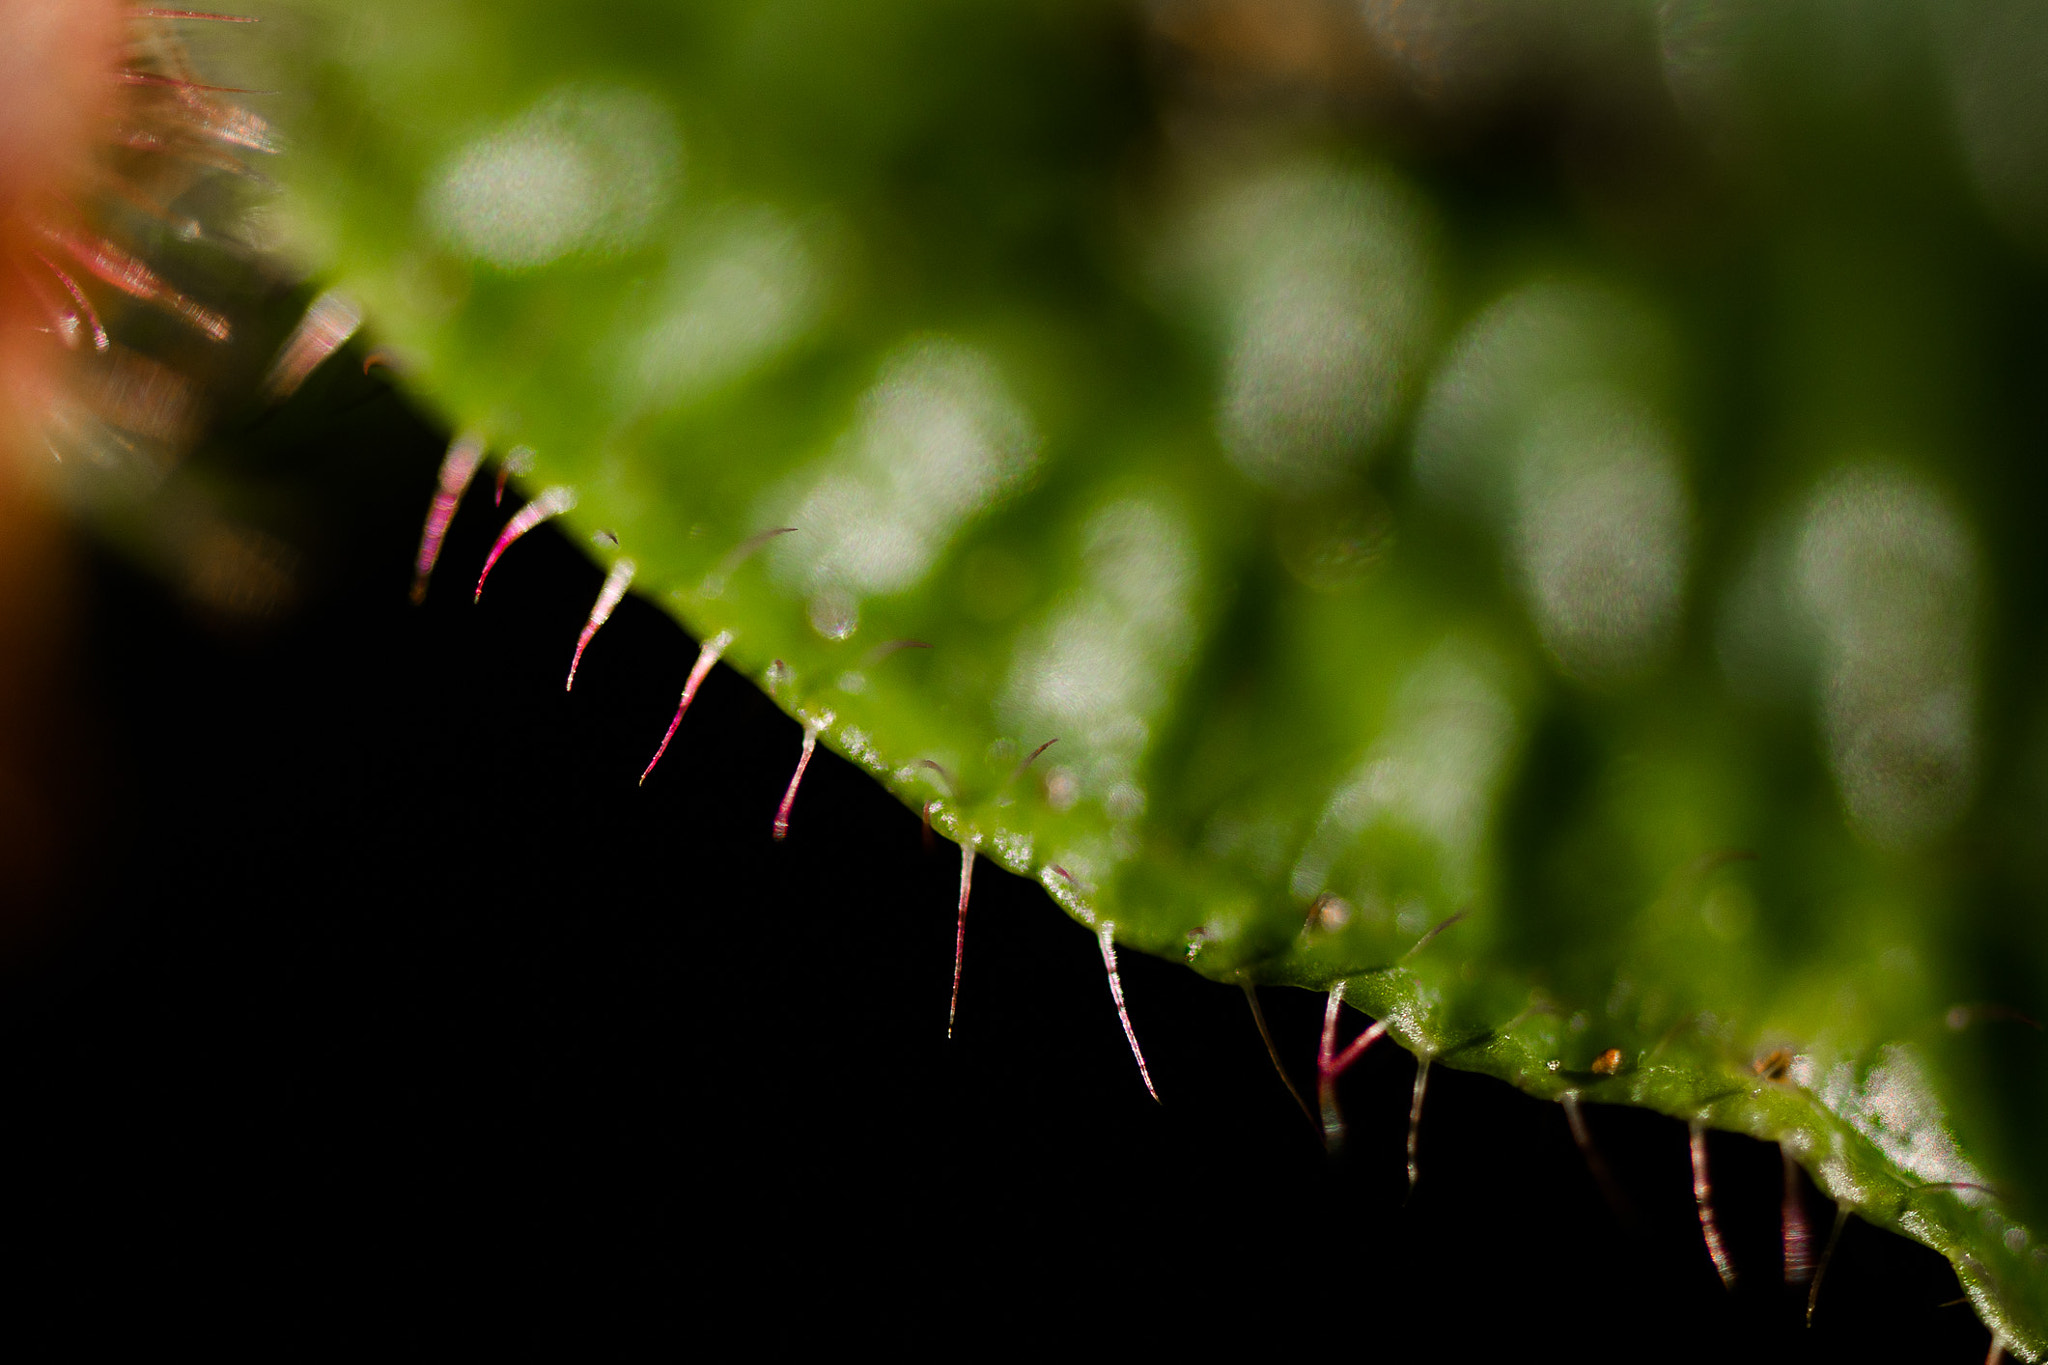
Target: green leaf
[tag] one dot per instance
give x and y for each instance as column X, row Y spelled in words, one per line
column 1623, row 549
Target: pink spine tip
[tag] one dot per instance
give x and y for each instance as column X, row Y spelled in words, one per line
column 208, row 16
column 1596, row 1165
column 131, row 76
column 744, row 551
column 1703, row 1199
column 86, row 312
column 128, row 274
column 328, row 324
column 1796, row 1236
column 885, row 649
column 1415, row 1122
column 551, row 503
column 781, row 829
column 960, row 931
column 517, row 462
column 1434, row 930
column 1827, row 1254
column 608, row 598
column 1031, row 758
column 1330, row 1064
column 706, row 657
column 458, row 467
column 1107, row 937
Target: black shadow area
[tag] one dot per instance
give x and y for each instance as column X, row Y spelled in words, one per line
column 386, row 1008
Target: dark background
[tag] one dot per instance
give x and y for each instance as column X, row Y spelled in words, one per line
column 379, row 1005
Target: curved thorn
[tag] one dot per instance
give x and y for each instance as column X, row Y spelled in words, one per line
column 1330, row 1064
column 86, row 312
column 1251, row 996
column 1827, row 1254
column 327, row 325
column 1961, row 1017
column 744, row 551
column 608, row 598
column 1328, row 1046
column 1106, row 937
column 132, row 277
column 714, row 582
column 781, row 828
column 518, row 460
column 1415, row 1123
column 1324, row 1054
column 1031, row 758
column 458, row 467
column 1596, row 1164
column 1955, row 1185
column 130, row 76
column 1794, row 1234
column 1703, row 1200
column 706, row 657
column 551, row 503
column 1373, row 1033
column 207, row 15
column 887, row 647
column 229, row 124
column 1435, row 929
column 960, row 931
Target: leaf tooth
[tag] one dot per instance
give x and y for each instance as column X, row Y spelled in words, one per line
column 887, row 647
column 1575, row 1116
column 69, row 321
column 552, row 502
column 208, row 16
column 1330, row 1064
column 781, row 827
column 608, row 598
column 706, row 657
column 1415, row 1121
column 1106, row 937
column 1251, row 995
column 328, row 323
column 1794, row 1232
column 517, row 462
column 1703, row 1200
column 714, row 582
column 1827, row 1254
column 960, row 932
column 1030, row 759
column 458, row 467
column 129, row 274
column 1429, row 937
